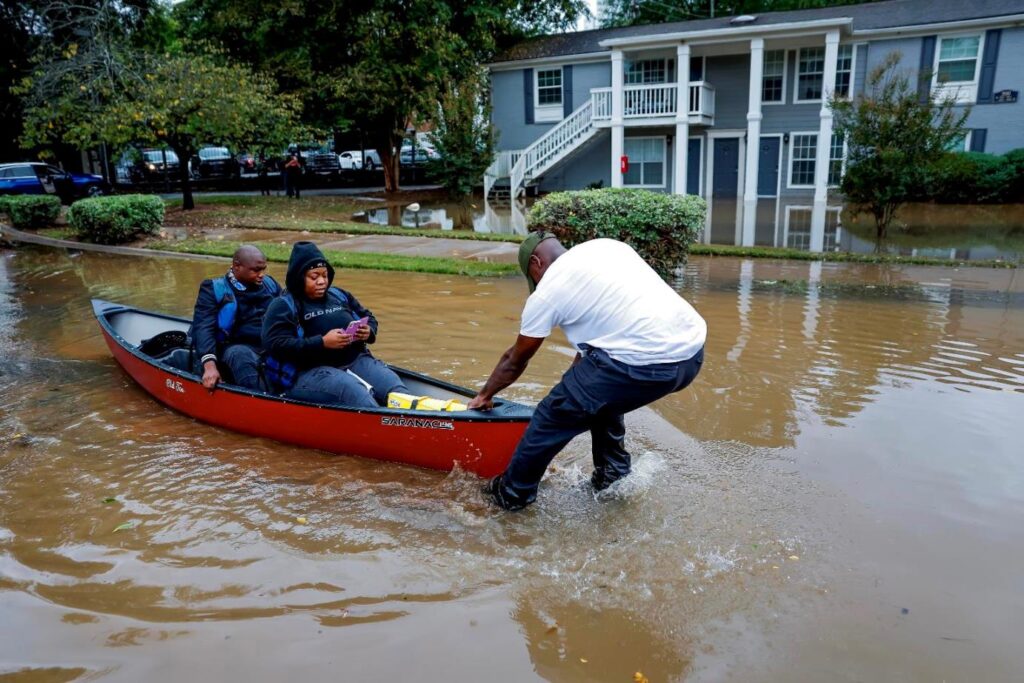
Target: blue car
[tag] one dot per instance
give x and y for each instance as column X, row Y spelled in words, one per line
column 38, row 178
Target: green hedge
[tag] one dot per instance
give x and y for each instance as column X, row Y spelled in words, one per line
column 31, row 210
column 112, row 220
column 976, row 178
column 659, row 226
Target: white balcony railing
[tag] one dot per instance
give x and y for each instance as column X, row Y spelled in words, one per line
column 656, row 100
column 602, row 101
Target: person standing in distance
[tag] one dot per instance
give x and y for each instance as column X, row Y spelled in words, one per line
column 637, row 340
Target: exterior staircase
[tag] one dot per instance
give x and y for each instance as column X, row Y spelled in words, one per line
column 524, row 166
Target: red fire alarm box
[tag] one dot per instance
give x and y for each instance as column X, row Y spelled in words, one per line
column 624, row 164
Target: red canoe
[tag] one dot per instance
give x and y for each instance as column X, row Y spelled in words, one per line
column 477, row 441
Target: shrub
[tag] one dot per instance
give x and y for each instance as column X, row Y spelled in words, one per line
column 1015, row 163
column 112, row 220
column 970, row 178
column 659, row 226
column 31, row 210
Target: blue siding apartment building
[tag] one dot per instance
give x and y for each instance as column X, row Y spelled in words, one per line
column 734, row 108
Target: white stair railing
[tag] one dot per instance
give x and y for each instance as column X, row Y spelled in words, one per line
column 552, row 146
column 501, row 167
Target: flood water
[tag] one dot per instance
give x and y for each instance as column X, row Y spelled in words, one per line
column 941, row 231
column 837, row 497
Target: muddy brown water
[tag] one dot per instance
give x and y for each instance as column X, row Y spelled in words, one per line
column 839, row 496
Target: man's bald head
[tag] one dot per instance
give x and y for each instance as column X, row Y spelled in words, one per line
column 248, row 265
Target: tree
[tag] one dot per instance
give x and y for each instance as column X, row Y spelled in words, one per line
column 378, row 66
column 895, row 137
column 463, row 135
column 634, row 12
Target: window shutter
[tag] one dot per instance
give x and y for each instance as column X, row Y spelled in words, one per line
column 988, row 65
column 528, row 94
column 978, row 136
column 924, row 73
column 566, row 89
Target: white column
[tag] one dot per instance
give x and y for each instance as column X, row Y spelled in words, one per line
column 824, row 143
column 682, row 117
column 617, row 107
column 753, row 142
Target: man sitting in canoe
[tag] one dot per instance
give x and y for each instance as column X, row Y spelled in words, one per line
column 227, row 322
column 316, row 337
column 637, row 340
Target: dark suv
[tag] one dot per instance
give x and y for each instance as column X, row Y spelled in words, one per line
column 316, row 158
column 214, row 162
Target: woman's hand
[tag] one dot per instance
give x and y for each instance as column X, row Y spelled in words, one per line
column 363, row 333
column 337, row 339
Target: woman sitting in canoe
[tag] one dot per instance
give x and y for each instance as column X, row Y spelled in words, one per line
column 315, row 337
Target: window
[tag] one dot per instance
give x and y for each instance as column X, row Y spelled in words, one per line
column 798, row 227
column 549, row 87
column 810, row 74
column 844, row 70
column 803, row 148
column 836, row 160
column 649, row 71
column 773, row 82
column 646, row 162
column 958, row 59
column 956, row 68
column 961, row 143
column 548, row 95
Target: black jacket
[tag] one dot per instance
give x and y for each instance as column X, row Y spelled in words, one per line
column 253, row 303
column 280, row 325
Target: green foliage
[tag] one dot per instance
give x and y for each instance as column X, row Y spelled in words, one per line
column 636, row 12
column 659, row 226
column 463, row 135
column 31, row 210
column 973, row 178
column 112, row 220
column 894, row 140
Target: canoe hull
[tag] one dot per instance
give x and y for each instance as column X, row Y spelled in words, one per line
column 433, row 440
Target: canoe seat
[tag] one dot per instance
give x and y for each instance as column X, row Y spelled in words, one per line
column 179, row 359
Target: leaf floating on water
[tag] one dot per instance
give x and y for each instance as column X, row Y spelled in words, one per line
column 638, row 677
column 125, row 526
column 553, row 628
column 108, row 501
column 794, row 557
column 300, row 520
column 583, row 659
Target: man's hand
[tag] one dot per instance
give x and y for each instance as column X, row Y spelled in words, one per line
column 480, row 402
column 363, row 333
column 211, row 376
column 337, row 339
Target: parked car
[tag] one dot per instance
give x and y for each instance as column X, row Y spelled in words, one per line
column 351, row 160
column 147, row 166
column 371, row 160
column 423, row 155
column 316, row 158
column 39, row 178
column 213, row 162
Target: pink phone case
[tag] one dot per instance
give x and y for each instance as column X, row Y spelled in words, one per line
column 354, row 326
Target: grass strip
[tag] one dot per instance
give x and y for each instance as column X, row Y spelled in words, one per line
column 350, row 259
column 58, row 233
column 838, row 256
column 345, row 228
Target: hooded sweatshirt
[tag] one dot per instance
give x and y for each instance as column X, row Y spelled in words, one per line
column 316, row 317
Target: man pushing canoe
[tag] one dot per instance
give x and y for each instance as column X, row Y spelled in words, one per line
column 637, row 340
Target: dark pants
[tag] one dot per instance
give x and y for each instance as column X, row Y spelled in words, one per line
column 327, row 384
column 244, row 363
column 594, row 394
column 291, row 184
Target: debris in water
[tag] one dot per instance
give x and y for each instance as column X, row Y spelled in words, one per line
column 300, row 520
column 794, row 557
column 904, row 610
column 583, row 660
column 640, row 678
column 125, row 526
column 108, row 501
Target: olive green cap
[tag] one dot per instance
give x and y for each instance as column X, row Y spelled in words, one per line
column 526, row 251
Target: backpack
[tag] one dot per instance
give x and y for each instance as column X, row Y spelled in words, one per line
column 282, row 374
column 228, row 304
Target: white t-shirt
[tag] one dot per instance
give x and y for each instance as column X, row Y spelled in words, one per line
column 603, row 294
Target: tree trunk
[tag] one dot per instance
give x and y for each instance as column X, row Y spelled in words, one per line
column 389, row 163
column 187, row 203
